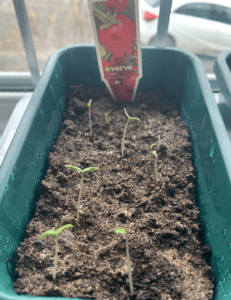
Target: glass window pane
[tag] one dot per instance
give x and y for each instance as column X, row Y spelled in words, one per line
column 198, row 27
column 153, row 3
column 221, row 14
column 54, row 24
column 199, row 10
column 12, row 54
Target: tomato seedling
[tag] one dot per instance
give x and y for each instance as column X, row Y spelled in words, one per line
column 42, row 256
column 155, row 154
column 108, row 119
column 123, row 231
column 81, row 184
column 157, row 143
column 56, row 233
column 129, row 119
column 89, row 105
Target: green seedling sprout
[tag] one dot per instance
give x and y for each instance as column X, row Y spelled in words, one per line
column 108, row 119
column 154, row 153
column 129, row 119
column 56, row 233
column 81, row 185
column 123, row 231
column 89, row 105
column 157, row 143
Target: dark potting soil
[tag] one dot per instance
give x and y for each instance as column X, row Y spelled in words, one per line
column 161, row 219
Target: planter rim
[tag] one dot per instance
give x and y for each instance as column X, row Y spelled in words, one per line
column 223, row 75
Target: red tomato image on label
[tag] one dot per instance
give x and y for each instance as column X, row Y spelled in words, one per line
column 118, row 59
column 112, row 5
column 130, row 80
column 121, row 93
column 118, row 37
column 124, row 90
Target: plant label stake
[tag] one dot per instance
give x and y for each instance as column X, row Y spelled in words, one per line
column 115, row 26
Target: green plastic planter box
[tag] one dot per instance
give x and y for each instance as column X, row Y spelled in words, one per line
column 181, row 75
column 222, row 69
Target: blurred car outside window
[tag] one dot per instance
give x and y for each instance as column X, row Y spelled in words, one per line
column 203, row 28
column 153, row 3
column 221, row 14
column 199, row 10
column 208, row 11
column 59, row 23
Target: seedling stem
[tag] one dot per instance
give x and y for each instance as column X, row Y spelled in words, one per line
column 56, row 234
column 157, row 143
column 89, row 105
column 123, row 231
column 108, row 120
column 81, row 184
column 154, row 153
column 129, row 118
column 80, row 192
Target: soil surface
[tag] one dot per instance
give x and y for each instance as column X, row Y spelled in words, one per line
column 161, row 219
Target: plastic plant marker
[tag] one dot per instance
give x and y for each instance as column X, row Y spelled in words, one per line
column 56, row 234
column 116, row 32
column 91, row 169
column 123, row 231
column 129, row 119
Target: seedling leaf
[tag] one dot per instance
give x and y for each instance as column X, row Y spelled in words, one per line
column 89, row 103
column 157, row 143
column 90, row 169
column 74, row 168
column 81, row 184
column 120, row 230
column 132, row 118
column 129, row 118
column 58, row 231
column 47, row 233
column 108, row 120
